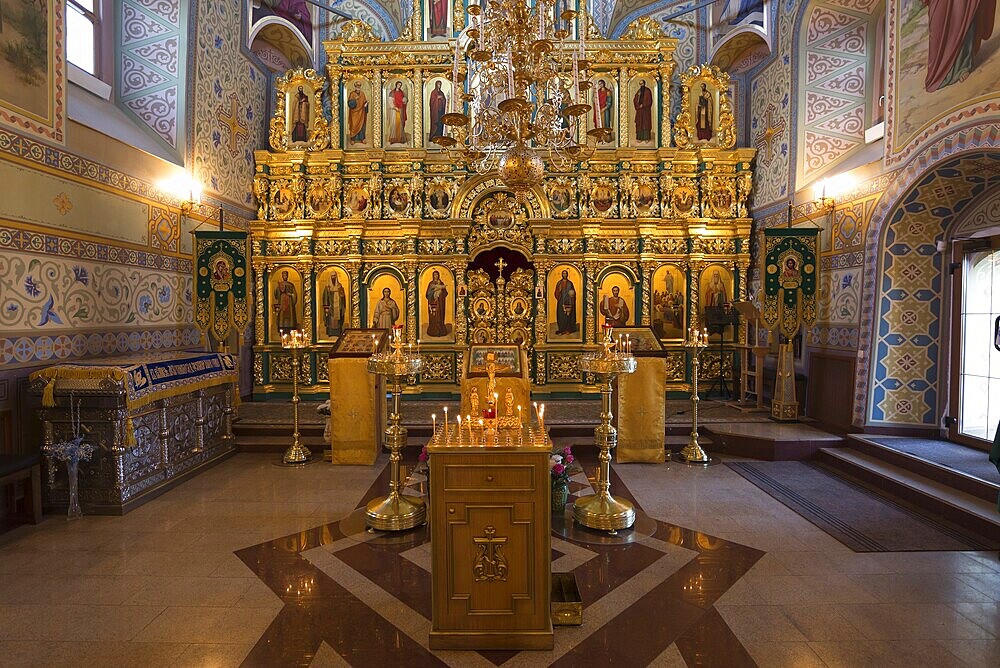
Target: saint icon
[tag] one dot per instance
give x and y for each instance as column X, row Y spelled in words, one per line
column 438, row 105
column 643, row 103
column 614, row 309
column 705, row 115
column 334, row 306
column 357, row 115
column 565, row 295
column 386, row 311
column 300, row 117
column 436, row 296
column 285, row 304
column 397, row 114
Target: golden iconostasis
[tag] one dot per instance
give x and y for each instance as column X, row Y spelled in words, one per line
column 363, row 221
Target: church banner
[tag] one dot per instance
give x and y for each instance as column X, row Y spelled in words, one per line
column 221, row 283
column 791, row 275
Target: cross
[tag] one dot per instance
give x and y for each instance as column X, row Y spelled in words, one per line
column 353, row 414
column 642, row 412
column 500, row 264
column 233, row 123
column 765, row 138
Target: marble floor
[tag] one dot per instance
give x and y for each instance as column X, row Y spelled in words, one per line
column 249, row 564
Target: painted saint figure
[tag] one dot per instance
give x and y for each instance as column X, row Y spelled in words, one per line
column 386, row 311
column 438, row 105
column 715, row 295
column 956, row 31
column 334, row 306
column 439, row 18
column 357, row 115
column 603, row 101
column 614, row 309
column 704, row 121
column 285, row 302
column 436, row 295
column 300, row 126
column 565, row 294
column 643, row 103
column 397, row 114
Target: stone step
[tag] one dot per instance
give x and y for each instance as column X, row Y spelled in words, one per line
column 966, row 510
column 964, row 482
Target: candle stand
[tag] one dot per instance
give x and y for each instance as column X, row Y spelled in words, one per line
column 601, row 510
column 395, row 512
column 296, row 454
column 693, row 453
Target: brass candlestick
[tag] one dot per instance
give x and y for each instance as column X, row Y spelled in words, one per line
column 601, row 510
column 693, row 453
column 395, row 512
column 297, row 453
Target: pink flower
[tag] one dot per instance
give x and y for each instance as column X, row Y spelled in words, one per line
column 568, row 452
column 558, row 469
column 570, row 459
column 422, row 457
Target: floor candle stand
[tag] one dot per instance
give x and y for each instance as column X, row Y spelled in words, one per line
column 601, row 510
column 395, row 512
column 693, row 453
column 296, row 454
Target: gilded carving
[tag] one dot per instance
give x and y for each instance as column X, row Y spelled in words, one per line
column 299, row 120
column 564, row 367
column 357, row 31
column 676, row 366
column 706, row 117
column 499, row 218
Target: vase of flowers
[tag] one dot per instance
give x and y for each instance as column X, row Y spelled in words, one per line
column 559, row 473
column 423, row 467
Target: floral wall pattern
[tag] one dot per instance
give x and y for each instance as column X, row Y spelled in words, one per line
column 229, row 108
column 151, row 65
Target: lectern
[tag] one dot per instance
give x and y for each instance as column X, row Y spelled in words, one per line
column 490, row 542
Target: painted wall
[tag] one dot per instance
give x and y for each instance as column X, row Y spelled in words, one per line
column 94, row 255
column 884, row 281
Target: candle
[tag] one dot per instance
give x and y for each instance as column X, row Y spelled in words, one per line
column 434, row 424
column 535, row 404
column 628, row 344
column 468, row 423
column 460, row 429
column 510, row 73
column 519, row 415
column 374, row 344
column 454, row 77
column 446, row 422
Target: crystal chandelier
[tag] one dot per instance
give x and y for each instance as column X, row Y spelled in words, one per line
column 524, row 95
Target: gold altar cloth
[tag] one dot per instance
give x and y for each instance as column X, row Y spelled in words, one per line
column 357, row 416
column 640, row 412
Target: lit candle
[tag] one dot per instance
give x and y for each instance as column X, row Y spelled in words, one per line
column 434, row 424
column 519, row 415
column 535, row 404
column 541, row 420
column 460, row 429
column 628, row 344
column 446, row 422
column 374, row 344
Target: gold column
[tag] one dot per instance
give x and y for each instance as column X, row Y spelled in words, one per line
column 648, row 266
column 589, row 305
column 694, row 277
column 666, row 76
column 410, row 269
column 335, row 73
column 418, row 107
column 354, row 270
column 623, row 107
column 260, row 322
column 376, row 113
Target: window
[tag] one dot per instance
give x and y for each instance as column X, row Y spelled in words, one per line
column 83, row 23
column 978, row 360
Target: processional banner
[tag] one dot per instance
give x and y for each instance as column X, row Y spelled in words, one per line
column 220, row 277
column 791, row 275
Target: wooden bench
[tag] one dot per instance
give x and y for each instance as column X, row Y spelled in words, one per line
column 24, row 467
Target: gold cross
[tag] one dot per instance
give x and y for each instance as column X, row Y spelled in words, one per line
column 233, row 123
column 500, row 264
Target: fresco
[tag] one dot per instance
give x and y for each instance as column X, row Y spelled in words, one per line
column 947, row 55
